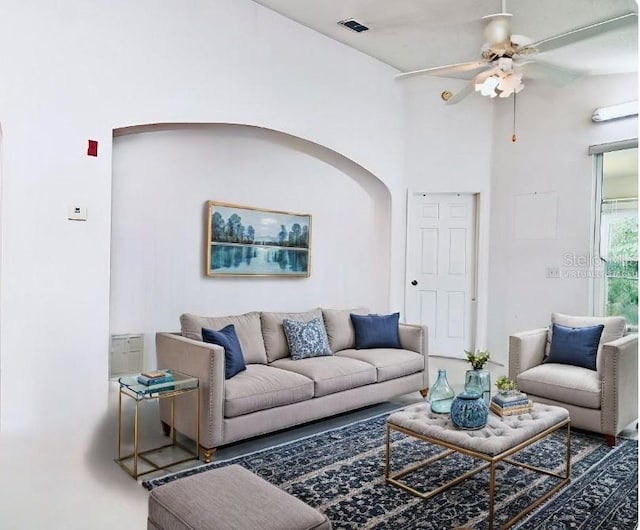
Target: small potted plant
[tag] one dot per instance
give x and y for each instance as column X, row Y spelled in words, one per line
column 478, row 359
column 505, row 385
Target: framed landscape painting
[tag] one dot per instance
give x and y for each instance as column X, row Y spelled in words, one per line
column 246, row 241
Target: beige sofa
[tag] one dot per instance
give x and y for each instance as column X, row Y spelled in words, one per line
column 275, row 391
column 604, row 400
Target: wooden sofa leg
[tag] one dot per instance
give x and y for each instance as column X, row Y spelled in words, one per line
column 611, row 440
column 207, row 454
column 424, row 392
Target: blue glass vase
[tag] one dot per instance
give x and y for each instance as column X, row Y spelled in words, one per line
column 469, row 410
column 440, row 394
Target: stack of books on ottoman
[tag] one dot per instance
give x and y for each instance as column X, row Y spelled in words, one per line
column 511, row 403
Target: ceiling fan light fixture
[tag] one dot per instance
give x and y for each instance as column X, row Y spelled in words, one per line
column 501, row 84
column 488, row 86
column 510, row 84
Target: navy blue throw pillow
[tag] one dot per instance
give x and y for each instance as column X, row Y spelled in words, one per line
column 575, row 346
column 227, row 338
column 376, row 331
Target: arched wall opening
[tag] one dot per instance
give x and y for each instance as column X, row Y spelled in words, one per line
column 163, row 176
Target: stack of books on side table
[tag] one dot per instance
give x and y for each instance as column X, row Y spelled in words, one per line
column 511, row 404
column 154, row 377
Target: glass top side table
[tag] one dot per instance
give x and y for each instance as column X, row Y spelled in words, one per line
column 181, row 385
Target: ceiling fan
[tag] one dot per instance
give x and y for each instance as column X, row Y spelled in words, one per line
column 506, row 58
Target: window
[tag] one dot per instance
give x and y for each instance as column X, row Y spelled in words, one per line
column 615, row 278
column 619, row 229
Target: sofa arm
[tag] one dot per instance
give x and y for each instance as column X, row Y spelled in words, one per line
column 416, row 338
column 206, row 362
column 413, row 337
column 619, row 384
column 526, row 350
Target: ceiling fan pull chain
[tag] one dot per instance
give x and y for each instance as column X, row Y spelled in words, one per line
column 513, row 136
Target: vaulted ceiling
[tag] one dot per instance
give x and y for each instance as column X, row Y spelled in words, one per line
column 416, row 34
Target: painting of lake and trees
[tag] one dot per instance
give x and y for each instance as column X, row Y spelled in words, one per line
column 245, row 241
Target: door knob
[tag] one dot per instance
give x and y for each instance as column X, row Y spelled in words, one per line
column 414, row 282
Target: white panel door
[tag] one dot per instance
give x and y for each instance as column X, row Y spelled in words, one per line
column 441, row 270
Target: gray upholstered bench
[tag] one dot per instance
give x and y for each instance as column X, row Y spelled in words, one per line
column 496, row 437
column 229, row 498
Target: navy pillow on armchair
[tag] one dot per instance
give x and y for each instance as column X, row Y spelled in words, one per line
column 575, row 346
column 376, row 331
column 227, row 338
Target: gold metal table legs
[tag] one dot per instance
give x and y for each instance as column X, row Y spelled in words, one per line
column 138, row 455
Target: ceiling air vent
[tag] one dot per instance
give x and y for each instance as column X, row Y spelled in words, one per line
column 353, row 25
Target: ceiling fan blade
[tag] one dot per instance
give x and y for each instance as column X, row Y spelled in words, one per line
column 550, row 73
column 445, row 71
column 576, row 35
column 461, row 94
column 470, row 86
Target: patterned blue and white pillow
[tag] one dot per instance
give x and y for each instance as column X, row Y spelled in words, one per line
column 306, row 339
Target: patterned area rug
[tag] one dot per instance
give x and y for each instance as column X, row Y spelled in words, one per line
column 341, row 473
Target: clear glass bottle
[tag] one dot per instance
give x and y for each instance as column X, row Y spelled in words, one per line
column 482, row 378
column 473, row 384
column 441, row 395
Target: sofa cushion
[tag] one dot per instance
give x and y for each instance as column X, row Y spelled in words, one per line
column 331, row 374
column 562, row 382
column 339, row 327
column 275, row 341
column 390, row 363
column 306, row 339
column 263, row 387
column 376, row 331
column 576, row 346
column 227, row 338
column 247, row 328
column 614, row 327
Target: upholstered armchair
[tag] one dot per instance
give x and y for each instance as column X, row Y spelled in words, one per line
column 603, row 399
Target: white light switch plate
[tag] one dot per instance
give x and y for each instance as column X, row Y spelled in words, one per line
column 77, row 213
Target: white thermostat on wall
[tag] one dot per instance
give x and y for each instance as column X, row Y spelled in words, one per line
column 77, row 213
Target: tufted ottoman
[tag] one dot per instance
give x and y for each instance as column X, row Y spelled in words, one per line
column 494, row 443
column 229, row 498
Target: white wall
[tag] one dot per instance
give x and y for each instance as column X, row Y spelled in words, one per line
column 449, row 150
column 78, row 71
column 549, row 159
column 467, row 148
column 161, row 182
